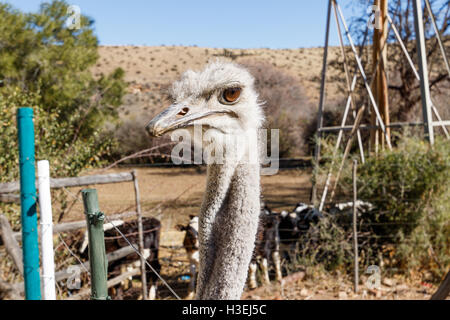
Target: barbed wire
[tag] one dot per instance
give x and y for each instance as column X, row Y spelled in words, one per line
column 73, row 254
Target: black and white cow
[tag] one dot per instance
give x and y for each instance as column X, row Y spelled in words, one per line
column 292, row 225
column 267, row 248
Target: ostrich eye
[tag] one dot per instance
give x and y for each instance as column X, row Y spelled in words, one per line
column 231, row 95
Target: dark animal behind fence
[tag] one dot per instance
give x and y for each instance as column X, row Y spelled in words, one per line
column 190, row 244
column 114, row 241
column 267, row 248
column 293, row 225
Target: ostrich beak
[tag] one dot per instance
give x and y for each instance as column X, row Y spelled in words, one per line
column 179, row 116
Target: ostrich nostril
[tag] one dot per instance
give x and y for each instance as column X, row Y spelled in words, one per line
column 183, row 112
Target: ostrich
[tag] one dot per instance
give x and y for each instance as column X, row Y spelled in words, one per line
column 222, row 100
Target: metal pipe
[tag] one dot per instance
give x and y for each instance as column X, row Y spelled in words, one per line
column 321, row 103
column 363, row 74
column 355, row 231
column 28, row 204
column 423, row 71
column 438, row 36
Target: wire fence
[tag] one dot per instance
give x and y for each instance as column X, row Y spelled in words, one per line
column 177, row 257
column 370, row 243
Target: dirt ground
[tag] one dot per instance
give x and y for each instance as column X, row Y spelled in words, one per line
column 316, row 285
column 172, row 194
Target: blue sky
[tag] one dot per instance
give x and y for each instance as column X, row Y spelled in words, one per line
column 207, row 23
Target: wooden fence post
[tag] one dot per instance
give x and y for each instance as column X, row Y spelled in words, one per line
column 11, row 245
column 141, row 235
column 97, row 253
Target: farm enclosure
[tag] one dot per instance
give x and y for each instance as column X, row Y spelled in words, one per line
column 173, row 194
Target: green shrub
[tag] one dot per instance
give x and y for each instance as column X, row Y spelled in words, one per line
column 408, row 227
column 54, row 141
column 47, row 66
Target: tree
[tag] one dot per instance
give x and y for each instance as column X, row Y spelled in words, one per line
column 404, row 89
column 46, row 65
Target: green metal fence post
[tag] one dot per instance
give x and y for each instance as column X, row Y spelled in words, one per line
column 97, row 253
column 30, row 244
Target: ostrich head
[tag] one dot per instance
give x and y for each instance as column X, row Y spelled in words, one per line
column 221, row 99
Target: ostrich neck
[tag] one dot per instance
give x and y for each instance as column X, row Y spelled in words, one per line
column 227, row 229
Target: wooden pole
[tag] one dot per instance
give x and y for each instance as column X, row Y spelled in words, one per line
column 379, row 86
column 75, row 225
column 64, row 274
column 74, row 181
column 355, row 234
column 383, row 95
column 111, row 283
column 141, row 235
column 375, row 57
column 97, row 252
